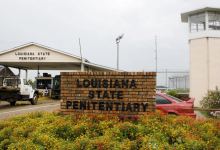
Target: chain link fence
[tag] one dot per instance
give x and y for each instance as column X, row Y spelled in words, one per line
column 173, row 79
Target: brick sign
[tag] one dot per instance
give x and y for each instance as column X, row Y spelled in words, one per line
column 108, row 92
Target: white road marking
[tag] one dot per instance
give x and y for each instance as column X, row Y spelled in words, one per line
column 8, row 112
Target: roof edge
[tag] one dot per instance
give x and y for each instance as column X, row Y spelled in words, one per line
column 40, row 45
column 184, row 16
column 101, row 66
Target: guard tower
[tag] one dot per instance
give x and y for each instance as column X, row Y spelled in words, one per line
column 204, row 44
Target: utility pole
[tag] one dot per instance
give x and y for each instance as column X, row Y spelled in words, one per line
column 82, row 65
column 166, row 80
column 117, row 43
column 156, row 54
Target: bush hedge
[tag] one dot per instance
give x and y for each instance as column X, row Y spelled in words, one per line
column 212, row 99
column 155, row 131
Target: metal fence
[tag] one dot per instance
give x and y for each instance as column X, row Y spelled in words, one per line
column 173, row 79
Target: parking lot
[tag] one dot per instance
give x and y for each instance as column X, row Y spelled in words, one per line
column 7, row 111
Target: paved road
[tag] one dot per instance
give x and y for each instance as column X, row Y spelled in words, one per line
column 6, row 111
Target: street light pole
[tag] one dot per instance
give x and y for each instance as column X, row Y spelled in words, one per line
column 117, row 43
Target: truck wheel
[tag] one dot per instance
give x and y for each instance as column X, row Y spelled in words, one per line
column 13, row 103
column 34, row 99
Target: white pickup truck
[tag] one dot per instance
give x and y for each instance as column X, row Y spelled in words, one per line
column 17, row 89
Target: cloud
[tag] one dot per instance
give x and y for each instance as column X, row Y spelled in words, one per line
column 59, row 24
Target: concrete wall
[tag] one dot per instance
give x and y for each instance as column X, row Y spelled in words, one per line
column 204, row 67
column 214, row 63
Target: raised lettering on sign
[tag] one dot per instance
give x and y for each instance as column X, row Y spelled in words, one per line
column 107, row 106
column 98, row 83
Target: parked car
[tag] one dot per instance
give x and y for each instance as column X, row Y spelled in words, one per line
column 172, row 105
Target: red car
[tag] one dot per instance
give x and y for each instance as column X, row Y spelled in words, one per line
column 172, row 105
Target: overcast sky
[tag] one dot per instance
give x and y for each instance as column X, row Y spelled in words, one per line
column 59, row 24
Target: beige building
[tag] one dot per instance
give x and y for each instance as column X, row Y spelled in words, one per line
column 33, row 56
column 204, row 44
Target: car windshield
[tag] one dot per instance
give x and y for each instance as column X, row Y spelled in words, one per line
column 174, row 98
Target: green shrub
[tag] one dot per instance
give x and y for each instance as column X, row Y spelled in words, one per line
column 46, row 141
column 5, row 143
column 153, row 131
column 172, row 93
column 212, row 99
column 182, row 94
column 65, row 132
column 5, row 133
column 128, row 130
column 24, row 145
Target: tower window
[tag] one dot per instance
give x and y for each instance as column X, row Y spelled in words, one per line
column 214, row 20
column 197, row 22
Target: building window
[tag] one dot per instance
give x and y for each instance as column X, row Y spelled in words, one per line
column 197, row 22
column 214, row 20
